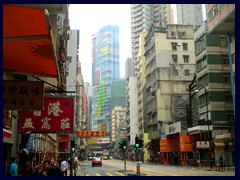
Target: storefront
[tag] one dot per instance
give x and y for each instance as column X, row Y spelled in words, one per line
column 175, row 148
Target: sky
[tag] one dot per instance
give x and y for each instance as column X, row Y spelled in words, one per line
column 90, row 18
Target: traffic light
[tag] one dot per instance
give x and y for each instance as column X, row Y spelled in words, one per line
column 73, row 146
column 140, row 143
column 124, row 145
column 137, row 142
column 120, row 145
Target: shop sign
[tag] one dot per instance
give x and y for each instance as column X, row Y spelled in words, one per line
column 57, row 116
column 88, row 134
column 203, row 144
column 173, row 128
column 102, row 140
column 23, row 95
column 223, row 136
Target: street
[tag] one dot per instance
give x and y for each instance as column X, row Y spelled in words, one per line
column 116, row 168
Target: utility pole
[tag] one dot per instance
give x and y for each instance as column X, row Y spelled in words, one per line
column 206, row 96
column 190, row 88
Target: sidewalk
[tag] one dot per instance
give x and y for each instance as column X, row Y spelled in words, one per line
column 224, row 169
column 78, row 170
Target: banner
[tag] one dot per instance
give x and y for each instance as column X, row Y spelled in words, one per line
column 57, row 116
column 87, row 134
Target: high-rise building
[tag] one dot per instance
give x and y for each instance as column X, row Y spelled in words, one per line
column 118, row 93
column 105, row 69
column 128, row 68
column 142, row 16
column 190, row 14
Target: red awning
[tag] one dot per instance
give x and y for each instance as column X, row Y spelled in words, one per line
column 27, row 46
column 7, row 134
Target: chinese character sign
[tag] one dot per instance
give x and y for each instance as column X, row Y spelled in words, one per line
column 24, row 95
column 57, row 116
column 86, row 134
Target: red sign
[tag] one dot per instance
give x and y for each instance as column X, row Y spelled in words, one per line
column 86, row 134
column 57, row 116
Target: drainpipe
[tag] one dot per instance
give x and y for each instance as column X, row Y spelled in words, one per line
column 231, row 74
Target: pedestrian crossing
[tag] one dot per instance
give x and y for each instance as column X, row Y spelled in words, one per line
column 162, row 173
column 105, row 174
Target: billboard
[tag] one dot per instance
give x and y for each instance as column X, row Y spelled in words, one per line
column 87, row 134
column 57, row 116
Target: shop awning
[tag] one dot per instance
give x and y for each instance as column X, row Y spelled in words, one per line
column 219, row 144
column 27, row 42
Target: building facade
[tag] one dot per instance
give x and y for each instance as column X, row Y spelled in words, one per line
column 142, row 16
column 170, row 67
column 189, row 14
column 105, row 69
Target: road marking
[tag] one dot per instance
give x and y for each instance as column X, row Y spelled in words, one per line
column 121, row 174
column 109, row 174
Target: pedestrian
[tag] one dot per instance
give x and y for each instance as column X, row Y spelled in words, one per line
column 26, row 169
column 46, row 167
column 13, row 169
column 64, row 167
column 220, row 162
column 75, row 165
column 212, row 159
column 54, row 170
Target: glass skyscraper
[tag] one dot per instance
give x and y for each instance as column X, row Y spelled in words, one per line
column 105, row 69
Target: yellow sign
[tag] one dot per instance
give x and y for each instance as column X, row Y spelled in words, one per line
column 87, row 134
column 104, row 49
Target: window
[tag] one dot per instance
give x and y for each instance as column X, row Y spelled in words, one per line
column 186, row 59
column 184, row 34
column 175, row 72
column 186, row 71
column 228, row 96
column 173, row 35
column 175, row 58
column 174, row 46
column 225, row 59
column 185, row 46
column 226, row 77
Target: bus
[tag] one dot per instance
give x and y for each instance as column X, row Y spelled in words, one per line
column 105, row 154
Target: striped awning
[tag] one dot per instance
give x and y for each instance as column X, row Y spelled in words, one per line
column 219, row 143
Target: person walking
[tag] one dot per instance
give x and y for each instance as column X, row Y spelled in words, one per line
column 75, row 165
column 26, row 169
column 13, row 169
column 46, row 167
column 64, row 167
column 220, row 162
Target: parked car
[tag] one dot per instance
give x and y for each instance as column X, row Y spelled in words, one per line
column 90, row 158
column 96, row 161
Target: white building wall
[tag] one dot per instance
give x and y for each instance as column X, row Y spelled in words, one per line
column 72, row 50
column 132, row 86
